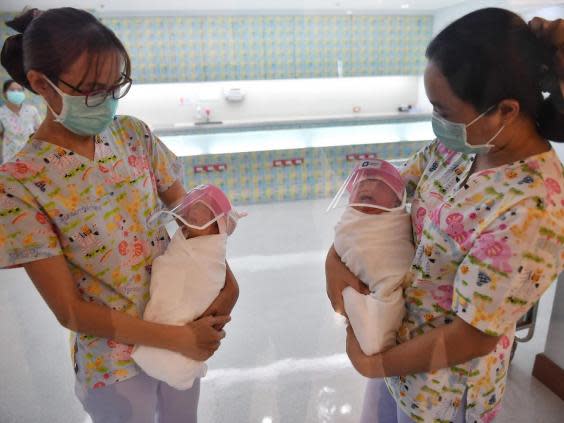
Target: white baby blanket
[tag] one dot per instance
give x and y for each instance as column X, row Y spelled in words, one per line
column 379, row 250
column 184, row 282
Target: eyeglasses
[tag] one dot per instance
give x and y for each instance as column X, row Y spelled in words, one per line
column 97, row 97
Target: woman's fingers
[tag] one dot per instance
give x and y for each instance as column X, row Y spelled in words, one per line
column 357, row 285
column 551, row 31
column 216, row 320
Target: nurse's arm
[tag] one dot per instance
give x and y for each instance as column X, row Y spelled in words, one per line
column 53, row 280
column 173, row 194
column 338, row 277
column 225, row 302
column 445, row 346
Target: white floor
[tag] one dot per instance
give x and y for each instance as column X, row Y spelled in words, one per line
column 283, row 359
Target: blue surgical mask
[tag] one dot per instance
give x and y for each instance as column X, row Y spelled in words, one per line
column 77, row 117
column 455, row 137
column 15, row 97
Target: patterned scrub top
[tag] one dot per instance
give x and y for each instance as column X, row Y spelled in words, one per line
column 486, row 250
column 94, row 212
column 16, row 129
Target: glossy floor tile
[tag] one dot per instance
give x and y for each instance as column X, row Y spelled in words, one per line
column 283, row 359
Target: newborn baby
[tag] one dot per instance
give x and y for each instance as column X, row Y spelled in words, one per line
column 374, row 239
column 187, row 278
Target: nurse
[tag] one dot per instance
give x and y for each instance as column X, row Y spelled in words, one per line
column 17, row 120
column 488, row 222
column 74, row 205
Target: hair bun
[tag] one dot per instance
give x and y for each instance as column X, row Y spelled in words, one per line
column 11, row 58
column 22, row 21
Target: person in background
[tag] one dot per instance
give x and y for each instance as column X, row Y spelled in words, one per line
column 17, row 120
column 74, row 204
column 487, row 210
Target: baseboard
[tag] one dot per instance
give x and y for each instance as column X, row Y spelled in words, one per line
column 550, row 374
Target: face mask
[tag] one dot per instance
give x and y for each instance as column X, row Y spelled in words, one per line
column 454, row 135
column 77, row 117
column 15, row 97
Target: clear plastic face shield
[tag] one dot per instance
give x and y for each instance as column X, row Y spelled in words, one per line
column 200, row 208
column 372, row 186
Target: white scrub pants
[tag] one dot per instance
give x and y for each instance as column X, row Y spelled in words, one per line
column 140, row 399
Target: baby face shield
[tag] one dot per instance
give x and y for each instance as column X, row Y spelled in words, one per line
column 200, row 208
column 375, row 184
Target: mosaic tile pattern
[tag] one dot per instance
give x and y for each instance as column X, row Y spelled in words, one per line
column 212, row 48
column 252, row 177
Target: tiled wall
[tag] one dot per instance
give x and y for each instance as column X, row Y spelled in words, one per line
column 211, row 48
column 166, row 49
column 252, row 177
column 187, row 48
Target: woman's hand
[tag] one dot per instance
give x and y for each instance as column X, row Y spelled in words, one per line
column 338, row 277
column 552, row 32
column 199, row 339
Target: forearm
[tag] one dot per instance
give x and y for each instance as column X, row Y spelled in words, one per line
column 173, row 194
column 54, row 282
column 442, row 347
column 98, row 320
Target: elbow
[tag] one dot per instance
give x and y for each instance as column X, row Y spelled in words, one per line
column 365, row 372
column 482, row 343
column 486, row 344
column 68, row 316
column 472, row 340
column 365, row 368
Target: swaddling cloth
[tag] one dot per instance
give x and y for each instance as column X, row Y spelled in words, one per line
column 184, row 282
column 379, row 250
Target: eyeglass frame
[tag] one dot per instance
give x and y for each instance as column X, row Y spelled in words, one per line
column 127, row 81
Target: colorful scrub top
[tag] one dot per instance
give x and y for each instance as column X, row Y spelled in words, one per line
column 94, row 212
column 16, row 129
column 486, row 250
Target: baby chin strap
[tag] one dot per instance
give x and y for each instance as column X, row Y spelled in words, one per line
column 372, row 206
column 199, row 228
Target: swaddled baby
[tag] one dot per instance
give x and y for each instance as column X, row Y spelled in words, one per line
column 187, row 278
column 374, row 239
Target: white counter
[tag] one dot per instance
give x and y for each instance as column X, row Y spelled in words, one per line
column 284, row 139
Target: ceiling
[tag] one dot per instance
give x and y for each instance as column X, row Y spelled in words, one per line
column 134, row 7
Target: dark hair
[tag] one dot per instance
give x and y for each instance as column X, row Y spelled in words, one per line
column 490, row 55
column 51, row 41
column 6, row 85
